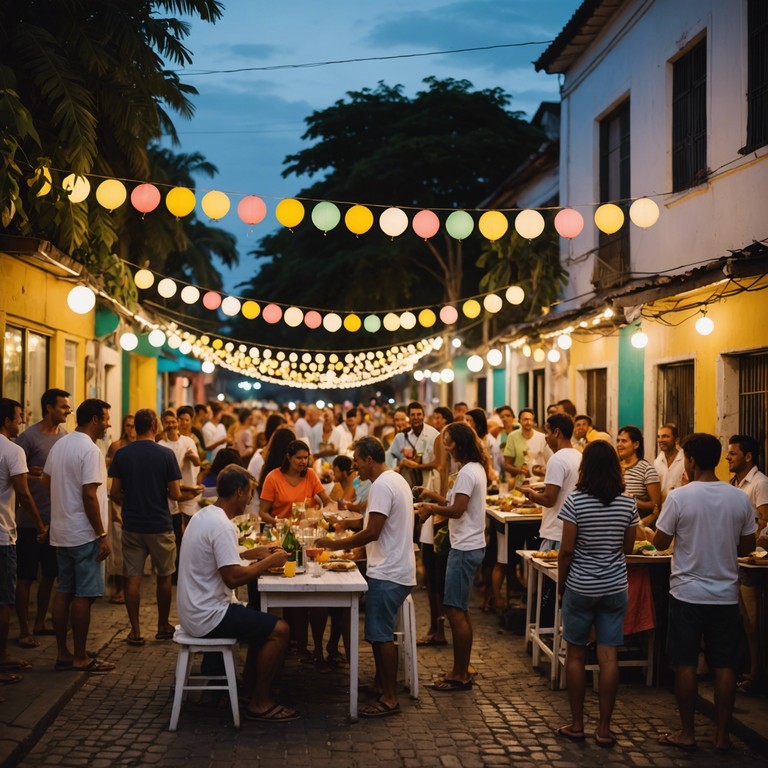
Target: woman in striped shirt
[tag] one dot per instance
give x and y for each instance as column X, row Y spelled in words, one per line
column 640, row 476
column 599, row 524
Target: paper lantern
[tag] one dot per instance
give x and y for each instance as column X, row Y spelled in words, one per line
column 129, row 341
column 459, row 225
column 448, row 314
column 251, row 310
column 553, row 355
column 393, row 221
column 418, row 375
column 391, row 321
column 185, row 347
column 272, row 314
column 189, row 294
column 427, row 318
column 564, row 341
column 408, row 320
column 230, row 306
column 111, row 194
column 313, row 319
column 293, row 317
column 493, row 225
column 166, row 288
column 539, row 355
column 325, row 216
column 144, row 279
column 156, row 338
column 207, row 367
column 358, row 219
column 609, row 218
column 352, row 323
column 78, row 187
column 471, row 308
column 217, row 344
column 639, row 340
column 425, row 224
column 526, row 350
column 447, row 375
column 212, row 300
column 180, row 201
column 331, row 322
column 81, row 299
column 704, row 325
column 475, row 363
column 492, row 303
column 289, row 212
column 46, row 186
column 569, row 223
column 529, row 223
column 145, row 198
column 372, row 323
column 644, row 212
column 215, row 204
column 494, row 357
column 515, row 294
column 251, row 210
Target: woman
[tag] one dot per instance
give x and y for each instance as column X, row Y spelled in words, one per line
column 344, row 479
column 465, row 509
column 640, row 477
column 477, row 419
column 273, row 423
column 599, row 524
column 244, row 442
column 208, row 477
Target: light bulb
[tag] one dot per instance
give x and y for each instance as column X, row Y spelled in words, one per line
column 494, row 357
column 475, row 363
column 81, row 299
column 553, row 355
column 704, row 325
column 564, row 341
column 639, row 340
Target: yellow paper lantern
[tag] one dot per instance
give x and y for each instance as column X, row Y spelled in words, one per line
column 609, row 218
column 289, row 212
column 144, row 279
column 471, row 308
column 352, row 323
column 111, row 194
column 46, row 186
column 217, row 344
column 78, row 187
column 215, row 205
column 180, row 201
column 427, row 318
column 493, row 225
column 358, row 219
column 251, row 310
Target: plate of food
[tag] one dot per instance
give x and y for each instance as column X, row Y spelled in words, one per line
column 339, row 565
column 551, row 555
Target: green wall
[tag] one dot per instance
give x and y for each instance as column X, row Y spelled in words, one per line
column 499, row 388
column 631, row 380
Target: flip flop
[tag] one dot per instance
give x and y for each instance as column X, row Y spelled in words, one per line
column 10, row 666
column 430, row 641
column 667, row 742
column 95, row 667
column 44, row 632
column 164, row 635
column 565, row 730
column 447, row 685
column 10, row 679
column 379, row 709
column 605, row 741
column 117, row 600
column 277, row 713
column 27, row 641
column 131, row 640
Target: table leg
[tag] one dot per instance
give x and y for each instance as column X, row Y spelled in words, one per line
column 535, row 633
column 554, row 671
column 354, row 621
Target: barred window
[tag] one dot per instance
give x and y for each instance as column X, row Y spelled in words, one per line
column 675, row 396
column 689, row 118
column 753, row 401
column 596, row 386
column 757, row 75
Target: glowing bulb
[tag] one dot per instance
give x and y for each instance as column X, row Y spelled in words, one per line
column 81, row 299
column 564, row 341
column 526, row 350
column 494, row 357
column 456, row 343
column 553, row 355
column 129, row 341
column 208, row 367
column 539, row 355
column 704, row 325
column 156, row 338
column 447, row 375
column 639, row 340
column 475, row 363
column 418, row 375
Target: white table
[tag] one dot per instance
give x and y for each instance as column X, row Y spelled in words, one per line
column 334, row 589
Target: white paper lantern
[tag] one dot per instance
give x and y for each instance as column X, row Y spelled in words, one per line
column 475, row 363
column 494, row 357
column 515, row 294
column 208, row 367
column 190, row 294
column 230, row 306
column 639, row 340
column 81, row 299
column 447, row 375
column 156, row 338
column 129, row 341
column 564, row 341
column 166, row 288
column 493, row 303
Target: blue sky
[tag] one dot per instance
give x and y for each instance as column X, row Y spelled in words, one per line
column 246, row 123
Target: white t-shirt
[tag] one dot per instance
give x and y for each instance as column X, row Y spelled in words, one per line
column 755, row 485
column 390, row 557
column 538, row 453
column 468, row 531
column 189, row 471
column 212, row 433
column 202, row 597
column 73, row 462
column 255, row 466
column 670, row 475
column 13, row 462
column 316, row 437
column 562, row 471
column 707, row 521
column 302, row 430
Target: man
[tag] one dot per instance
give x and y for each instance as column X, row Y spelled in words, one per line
column 214, row 432
column 13, row 485
column 325, row 436
column 459, row 409
column 507, row 416
column 566, row 406
column 388, row 539
column 201, row 414
column 36, row 441
column 526, row 449
column 413, row 449
column 349, row 431
column 581, row 426
column 712, row 524
column 186, row 417
column 669, row 462
column 209, row 569
column 76, row 476
column 302, row 428
column 144, row 476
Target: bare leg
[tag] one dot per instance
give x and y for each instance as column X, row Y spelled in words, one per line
column 44, row 590
column 385, row 655
column 23, row 588
column 576, row 682
column 607, row 659
column 725, row 693
column 685, row 695
column 318, row 617
column 133, row 603
column 164, row 594
column 497, row 580
column 461, row 632
column 81, row 622
column 261, row 666
column 61, row 605
column 748, row 601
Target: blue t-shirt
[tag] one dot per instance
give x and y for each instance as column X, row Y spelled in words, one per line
column 145, row 469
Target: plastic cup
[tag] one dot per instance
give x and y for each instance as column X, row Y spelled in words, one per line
column 289, row 569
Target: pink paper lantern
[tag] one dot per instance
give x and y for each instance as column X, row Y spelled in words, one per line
column 425, row 224
column 145, row 198
column 251, row 210
column 448, row 314
column 272, row 313
column 569, row 223
column 212, row 300
column 313, row 319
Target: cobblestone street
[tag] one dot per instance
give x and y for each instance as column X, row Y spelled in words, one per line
column 121, row 718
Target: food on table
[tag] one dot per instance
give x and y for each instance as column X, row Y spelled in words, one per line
column 339, row 565
column 551, row 555
column 324, row 556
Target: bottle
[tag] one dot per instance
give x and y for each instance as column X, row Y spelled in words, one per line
column 294, row 549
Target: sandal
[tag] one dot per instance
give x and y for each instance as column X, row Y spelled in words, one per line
column 605, row 741
column 133, row 640
column 10, row 679
column 379, row 709
column 748, row 685
column 667, row 741
column 448, row 685
column 431, row 640
column 277, row 713
column 565, row 730
column 27, row 641
column 165, row 634
column 95, row 667
column 14, row 664
column 117, row 600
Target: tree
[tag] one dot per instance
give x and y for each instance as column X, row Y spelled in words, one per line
column 447, row 147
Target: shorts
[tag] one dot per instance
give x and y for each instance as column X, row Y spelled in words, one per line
column 247, row 625
column 605, row 613
column 8, row 574
column 460, row 575
column 719, row 625
column 80, row 573
column 382, row 602
column 33, row 555
column 161, row 547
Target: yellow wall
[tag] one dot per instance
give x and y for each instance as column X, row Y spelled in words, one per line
column 143, row 383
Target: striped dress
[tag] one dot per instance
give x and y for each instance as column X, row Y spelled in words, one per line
column 598, row 567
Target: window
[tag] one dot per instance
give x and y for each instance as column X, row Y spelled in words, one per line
column 675, row 396
column 689, row 118
column 612, row 261
column 757, row 75
column 753, row 401
column 596, row 386
column 538, row 405
column 522, row 391
column 25, row 368
column 70, row 365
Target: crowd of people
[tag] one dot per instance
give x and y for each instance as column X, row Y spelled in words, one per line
column 167, row 489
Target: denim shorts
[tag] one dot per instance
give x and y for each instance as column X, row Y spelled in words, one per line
column 80, row 574
column 8, row 574
column 382, row 602
column 460, row 575
column 247, row 625
column 605, row 613
column 719, row 625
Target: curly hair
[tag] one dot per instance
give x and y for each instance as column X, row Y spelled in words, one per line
column 468, row 445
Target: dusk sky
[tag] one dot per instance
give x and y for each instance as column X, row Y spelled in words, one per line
column 247, row 122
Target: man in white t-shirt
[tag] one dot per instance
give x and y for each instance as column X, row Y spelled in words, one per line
column 413, row 449
column 391, row 571
column 75, row 475
column 214, row 432
column 669, row 462
column 712, row 524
